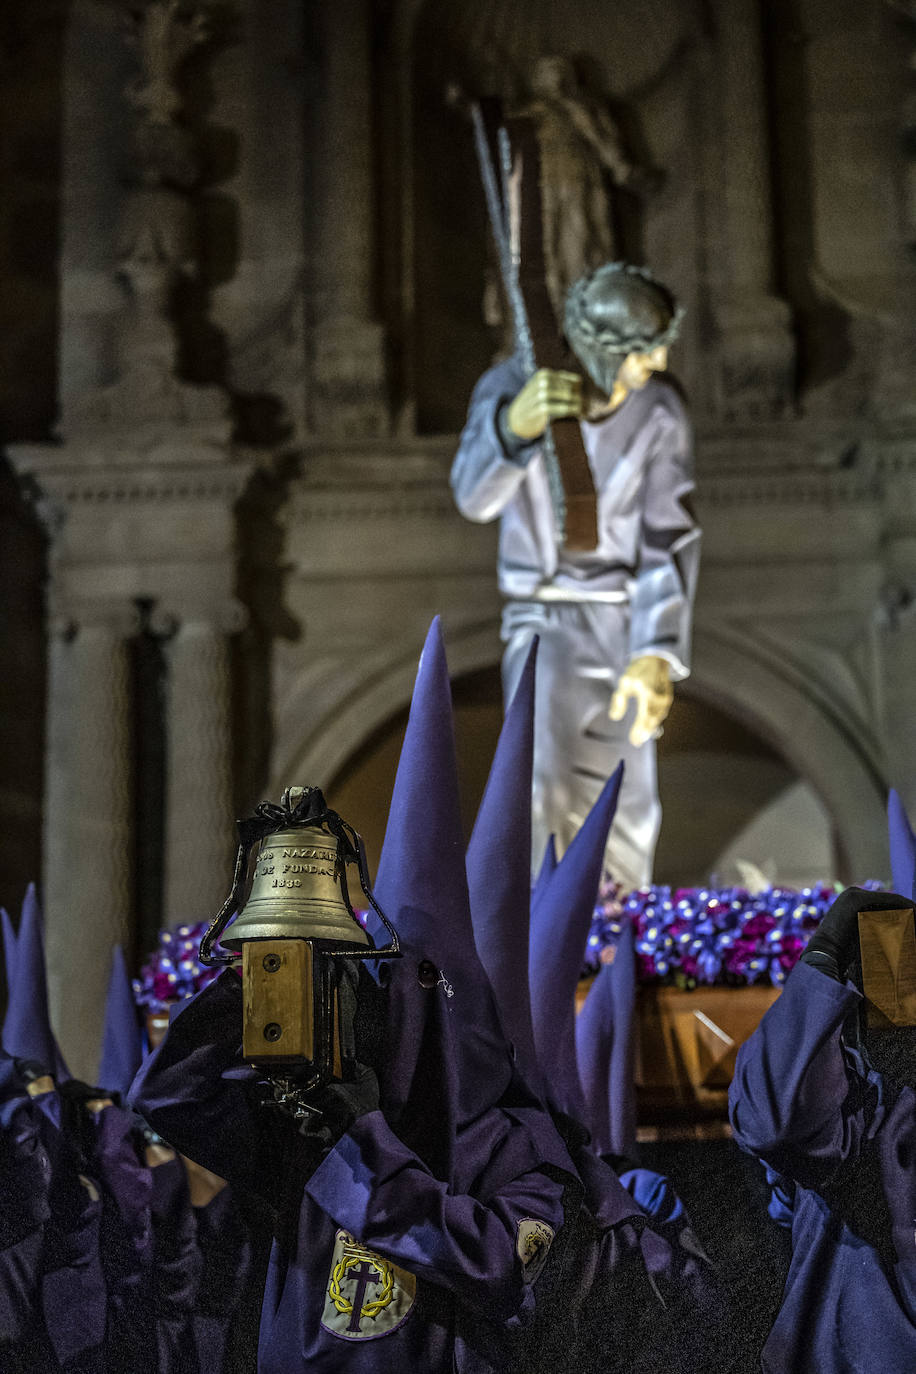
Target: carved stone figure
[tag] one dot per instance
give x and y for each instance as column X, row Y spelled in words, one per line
column 157, row 239
column 582, row 155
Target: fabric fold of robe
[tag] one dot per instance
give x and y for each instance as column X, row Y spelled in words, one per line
column 25, row 1184
column 74, row 1295
column 822, row 1120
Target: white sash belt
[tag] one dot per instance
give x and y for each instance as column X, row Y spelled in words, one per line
column 618, row 596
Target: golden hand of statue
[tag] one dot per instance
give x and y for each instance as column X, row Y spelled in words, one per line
column 546, row 396
column 647, row 681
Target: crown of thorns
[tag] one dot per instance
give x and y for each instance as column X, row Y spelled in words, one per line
column 607, row 338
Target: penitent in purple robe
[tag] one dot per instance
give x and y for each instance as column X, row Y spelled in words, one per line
column 224, row 1242
column 634, row 1259
column 815, row 1114
column 27, row 1032
column 122, row 1039
column 74, row 1297
column 113, row 1147
column 73, row 1292
column 25, row 1182
column 149, row 1243
column 176, row 1269
column 417, row 1242
column 435, row 1246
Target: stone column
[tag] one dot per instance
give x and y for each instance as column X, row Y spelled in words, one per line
column 757, row 346
column 349, row 374
column 87, row 858
column 198, row 826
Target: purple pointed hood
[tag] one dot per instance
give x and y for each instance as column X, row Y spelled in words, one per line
column 499, row 872
column 122, row 1040
column 446, row 1059
column 547, row 869
column 560, row 919
column 606, row 1051
column 902, row 846
column 27, row 1030
column 9, row 947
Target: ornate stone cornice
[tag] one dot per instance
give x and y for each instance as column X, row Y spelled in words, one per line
column 118, row 618
column 63, row 482
column 400, row 464
column 769, row 466
column 803, row 445
column 821, row 489
column 151, row 487
column 311, row 504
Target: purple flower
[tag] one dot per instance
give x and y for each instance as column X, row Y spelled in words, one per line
column 174, row 970
column 722, row 935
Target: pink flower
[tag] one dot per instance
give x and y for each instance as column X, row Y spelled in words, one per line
column 758, row 925
column 162, row 988
column 647, row 970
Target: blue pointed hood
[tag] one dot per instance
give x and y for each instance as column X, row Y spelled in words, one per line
column 560, row 919
column 27, row 1030
column 447, row 1080
column 122, row 1039
column 606, row 1051
column 547, row 869
column 499, row 872
column 903, row 847
column 446, row 1060
column 9, row 947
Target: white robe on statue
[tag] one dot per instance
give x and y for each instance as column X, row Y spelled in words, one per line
column 594, row 611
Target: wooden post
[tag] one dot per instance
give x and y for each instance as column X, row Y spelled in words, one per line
column 278, row 1011
column 887, row 943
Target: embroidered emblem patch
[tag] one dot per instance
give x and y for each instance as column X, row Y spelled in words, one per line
column 534, row 1241
column 367, row 1296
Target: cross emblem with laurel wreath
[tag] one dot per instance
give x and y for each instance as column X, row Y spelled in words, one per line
column 362, row 1268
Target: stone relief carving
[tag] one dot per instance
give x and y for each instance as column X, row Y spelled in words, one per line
column 156, row 241
column 583, row 158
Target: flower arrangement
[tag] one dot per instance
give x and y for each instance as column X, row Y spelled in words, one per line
column 684, row 936
column 692, row 935
column 173, row 970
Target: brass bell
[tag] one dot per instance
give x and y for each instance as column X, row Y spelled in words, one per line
column 295, row 892
column 299, row 889
column 294, row 932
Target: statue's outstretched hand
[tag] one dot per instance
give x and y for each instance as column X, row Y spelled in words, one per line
column 546, row 396
column 647, row 681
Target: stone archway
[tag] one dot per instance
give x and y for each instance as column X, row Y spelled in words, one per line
column 364, row 700
column 798, row 721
